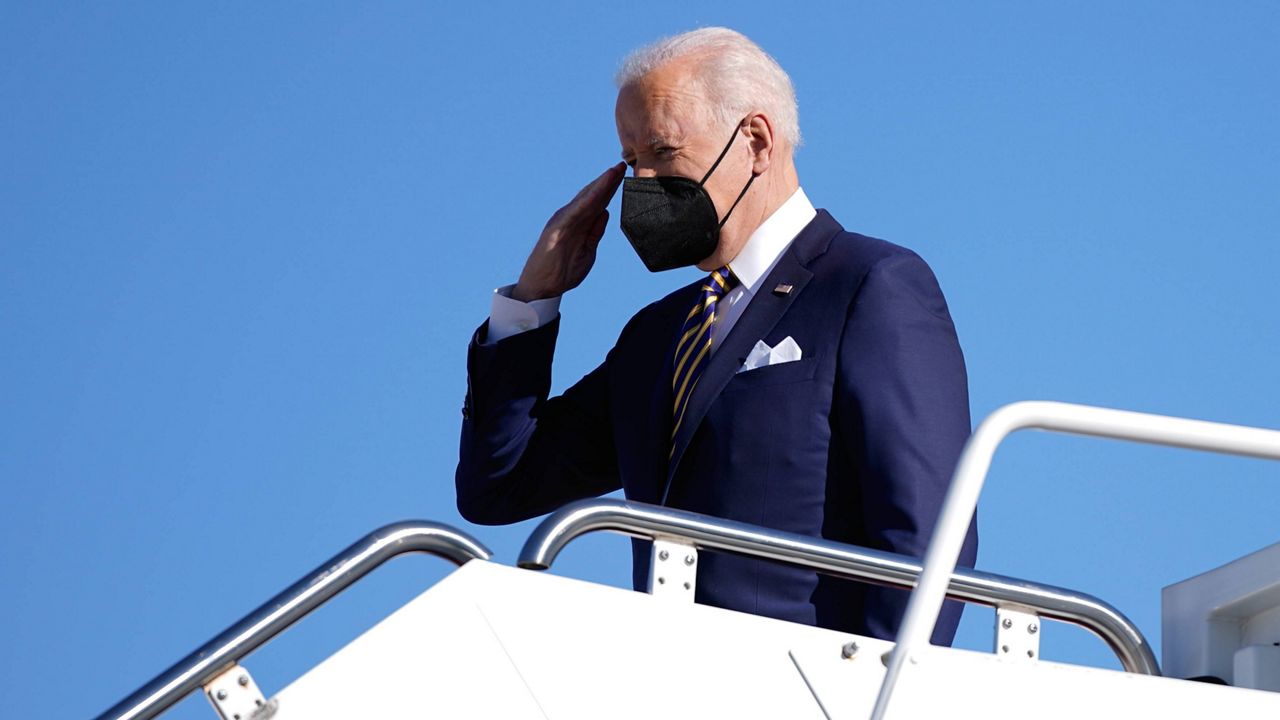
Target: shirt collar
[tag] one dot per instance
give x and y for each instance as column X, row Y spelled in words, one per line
column 768, row 242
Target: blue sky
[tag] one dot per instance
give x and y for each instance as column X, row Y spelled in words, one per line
column 243, row 246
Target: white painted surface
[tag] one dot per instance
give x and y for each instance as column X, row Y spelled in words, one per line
column 1017, row 635
column 234, row 694
column 435, row 654
column 492, row 641
column 1208, row 618
column 971, row 472
column 1258, row 666
column 675, row 570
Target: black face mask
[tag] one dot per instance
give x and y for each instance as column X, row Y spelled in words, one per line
column 671, row 221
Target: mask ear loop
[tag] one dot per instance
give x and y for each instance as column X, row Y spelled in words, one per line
column 745, row 188
column 723, row 152
column 716, row 164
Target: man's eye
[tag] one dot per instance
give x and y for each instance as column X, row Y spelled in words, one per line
column 664, row 150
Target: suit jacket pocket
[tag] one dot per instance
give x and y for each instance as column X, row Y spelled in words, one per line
column 787, row 372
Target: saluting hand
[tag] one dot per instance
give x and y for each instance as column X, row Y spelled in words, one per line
column 566, row 250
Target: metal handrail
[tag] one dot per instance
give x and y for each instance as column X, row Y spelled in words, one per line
column 962, row 497
column 287, row 607
column 850, row 561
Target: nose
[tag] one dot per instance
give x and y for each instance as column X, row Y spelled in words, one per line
column 644, row 170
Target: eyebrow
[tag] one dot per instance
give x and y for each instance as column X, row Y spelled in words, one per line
column 655, row 141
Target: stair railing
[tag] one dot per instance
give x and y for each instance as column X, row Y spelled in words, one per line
column 272, row 617
column 838, row 559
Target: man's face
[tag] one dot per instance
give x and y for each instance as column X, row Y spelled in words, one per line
column 665, row 130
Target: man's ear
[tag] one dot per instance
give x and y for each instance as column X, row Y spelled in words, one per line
column 760, row 131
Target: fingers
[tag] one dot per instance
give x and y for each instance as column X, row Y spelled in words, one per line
column 605, row 184
column 595, row 196
column 566, row 249
column 611, row 178
column 597, row 232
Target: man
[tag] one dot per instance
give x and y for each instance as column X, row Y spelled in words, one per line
column 811, row 383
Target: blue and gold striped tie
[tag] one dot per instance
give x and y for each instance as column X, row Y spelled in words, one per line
column 694, row 348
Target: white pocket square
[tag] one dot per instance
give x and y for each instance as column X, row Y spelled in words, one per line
column 762, row 355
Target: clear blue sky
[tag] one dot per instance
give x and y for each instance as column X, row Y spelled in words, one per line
column 243, row 246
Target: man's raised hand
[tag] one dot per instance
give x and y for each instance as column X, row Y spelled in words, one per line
column 566, row 250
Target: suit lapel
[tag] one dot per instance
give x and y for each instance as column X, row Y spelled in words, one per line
column 762, row 314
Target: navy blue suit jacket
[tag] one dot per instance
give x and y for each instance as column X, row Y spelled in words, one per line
column 855, row 442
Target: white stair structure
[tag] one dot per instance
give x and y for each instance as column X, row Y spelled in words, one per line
column 1225, row 623
column 491, row 641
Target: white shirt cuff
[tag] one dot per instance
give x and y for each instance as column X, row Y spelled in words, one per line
column 509, row 317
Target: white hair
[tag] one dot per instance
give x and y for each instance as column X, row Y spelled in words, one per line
column 736, row 76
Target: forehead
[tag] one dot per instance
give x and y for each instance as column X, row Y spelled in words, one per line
column 665, row 104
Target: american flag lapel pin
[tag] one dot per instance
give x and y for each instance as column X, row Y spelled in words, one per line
column 782, row 289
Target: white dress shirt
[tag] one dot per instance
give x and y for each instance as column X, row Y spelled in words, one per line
column 509, row 317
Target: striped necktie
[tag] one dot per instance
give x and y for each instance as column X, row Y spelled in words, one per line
column 694, row 348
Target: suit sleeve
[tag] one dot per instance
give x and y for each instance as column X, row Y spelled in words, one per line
column 522, row 454
column 903, row 386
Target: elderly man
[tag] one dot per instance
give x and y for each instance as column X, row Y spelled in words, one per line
column 812, row 382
